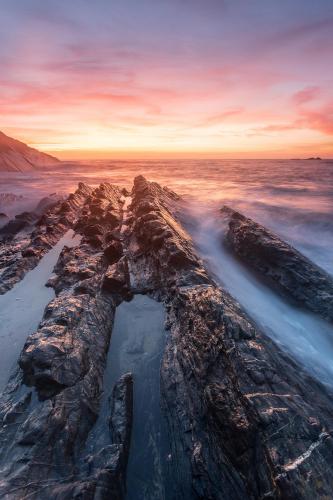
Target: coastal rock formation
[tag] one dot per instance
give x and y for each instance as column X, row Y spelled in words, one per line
column 245, row 420
column 293, row 273
column 60, row 376
column 161, row 246
column 26, row 220
column 15, row 156
column 24, row 240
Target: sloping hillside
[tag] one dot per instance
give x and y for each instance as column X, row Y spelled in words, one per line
column 17, row 156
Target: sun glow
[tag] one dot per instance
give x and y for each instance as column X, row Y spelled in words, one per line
column 221, row 88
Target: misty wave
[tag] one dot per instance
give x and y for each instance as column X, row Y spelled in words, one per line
column 292, row 198
column 307, row 337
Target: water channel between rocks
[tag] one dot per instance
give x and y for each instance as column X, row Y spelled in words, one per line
column 22, row 307
column 137, row 346
column 304, row 334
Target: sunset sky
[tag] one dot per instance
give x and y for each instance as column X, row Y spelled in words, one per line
column 220, row 78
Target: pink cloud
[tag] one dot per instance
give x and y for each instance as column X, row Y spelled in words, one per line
column 218, row 118
column 306, row 95
column 321, row 120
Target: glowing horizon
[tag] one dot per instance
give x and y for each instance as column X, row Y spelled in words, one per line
column 178, row 79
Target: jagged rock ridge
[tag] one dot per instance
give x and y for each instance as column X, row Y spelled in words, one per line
column 245, row 421
column 294, row 274
column 26, row 238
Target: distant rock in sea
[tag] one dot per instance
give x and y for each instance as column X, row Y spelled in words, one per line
column 314, row 158
column 15, row 156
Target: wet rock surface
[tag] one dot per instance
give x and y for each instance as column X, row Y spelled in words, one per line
column 162, row 255
column 293, row 273
column 245, row 420
column 60, row 374
column 24, row 240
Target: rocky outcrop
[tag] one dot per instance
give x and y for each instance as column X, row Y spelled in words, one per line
column 248, row 416
column 245, row 421
column 117, row 280
column 27, row 220
column 19, row 253
column 159, row 245
column 19, row 223
column 294, row 274
column 15, row 156
column 60, row 375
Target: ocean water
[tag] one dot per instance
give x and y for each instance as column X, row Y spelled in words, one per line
column 21, row 308
column 292, row 197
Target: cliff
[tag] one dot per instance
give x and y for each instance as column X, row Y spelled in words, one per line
column 15, row 156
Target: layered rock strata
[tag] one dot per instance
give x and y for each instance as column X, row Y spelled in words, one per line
column 294, row 274
column 245, row 421
column 26, row 239
column 52, row 402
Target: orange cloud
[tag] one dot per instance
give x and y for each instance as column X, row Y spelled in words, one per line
column 321, row 120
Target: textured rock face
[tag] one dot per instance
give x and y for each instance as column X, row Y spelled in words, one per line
column 160, row 246
column 22, row 253
column 60, row 377
column 294, row 274
column 245, row 421
column 15, row 156
column 254, row 417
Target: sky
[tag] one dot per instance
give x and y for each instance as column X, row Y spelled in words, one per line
column 178, row 78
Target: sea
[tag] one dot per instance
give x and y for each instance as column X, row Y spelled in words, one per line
column 293, row 198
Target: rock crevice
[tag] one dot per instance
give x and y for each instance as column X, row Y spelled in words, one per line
column 245, row 420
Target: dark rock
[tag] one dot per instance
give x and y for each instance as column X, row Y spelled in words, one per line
column 113, row 252
column 30, row 252
column 112, row 219
column 121, row 414
column 117, row 278
column 93, row 230
column 64, row 361
column 243, row 415
column 294, row 274
column 95, row 241
column 65, row 207
column 41, row 234
column 246, row 422
column 112, row 236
